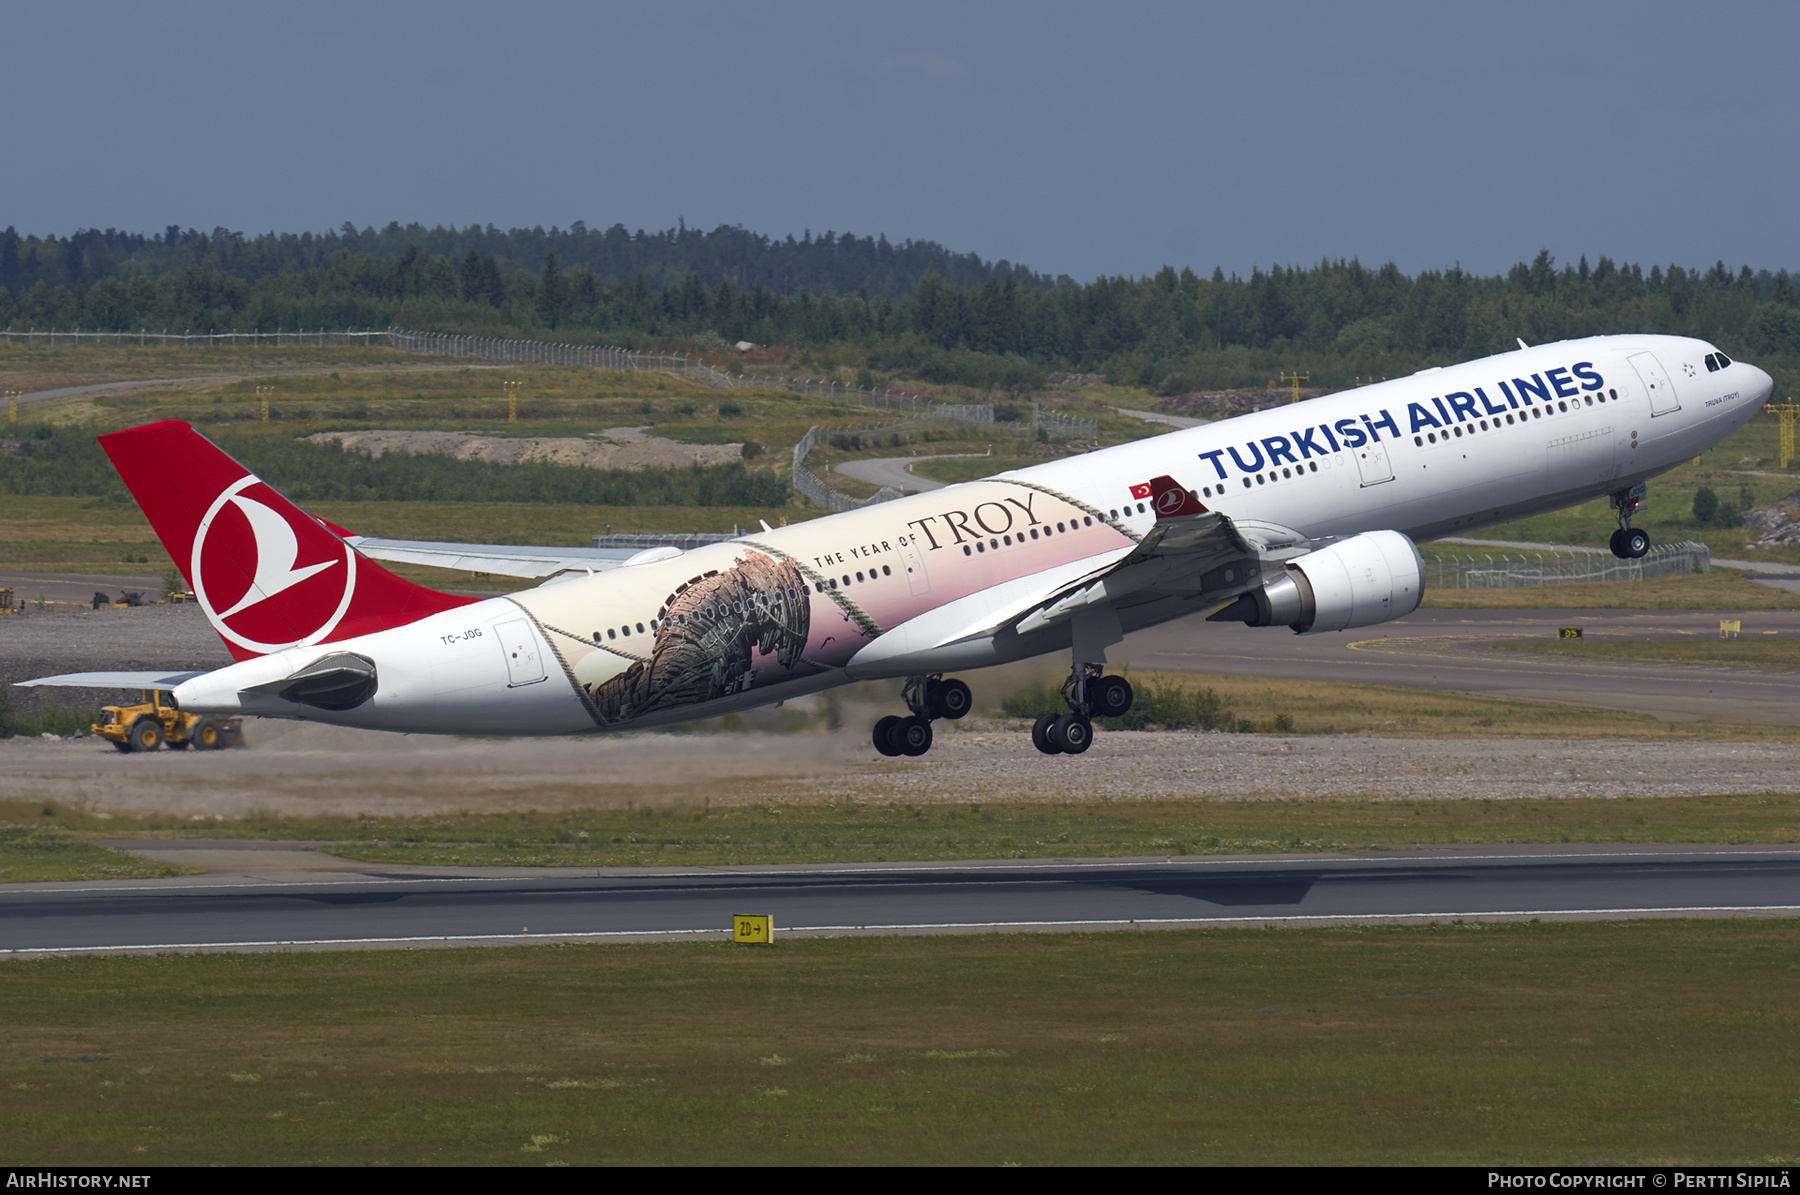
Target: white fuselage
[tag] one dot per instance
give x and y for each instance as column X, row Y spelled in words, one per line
column 920, row 584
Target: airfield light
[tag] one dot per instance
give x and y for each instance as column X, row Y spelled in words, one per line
column 1786, row 411
column 1296, row 379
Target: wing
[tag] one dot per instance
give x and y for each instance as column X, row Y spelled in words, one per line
column 1188, row 551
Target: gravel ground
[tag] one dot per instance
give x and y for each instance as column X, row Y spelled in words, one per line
column 294, row 768
column 297, row 768
column 40, row 643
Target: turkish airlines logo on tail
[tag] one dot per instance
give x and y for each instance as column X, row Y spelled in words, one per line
column 268, row 576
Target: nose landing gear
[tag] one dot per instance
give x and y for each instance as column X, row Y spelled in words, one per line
column 1628, row 542
column 1090, row 695
column 929, row 698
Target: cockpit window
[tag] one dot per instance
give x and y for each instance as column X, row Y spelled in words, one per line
column 1712, row 363
column 1724, row 360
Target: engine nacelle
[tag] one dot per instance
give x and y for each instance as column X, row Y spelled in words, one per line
column 1357, row 582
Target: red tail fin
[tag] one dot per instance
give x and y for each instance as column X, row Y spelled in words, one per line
column 268, row 574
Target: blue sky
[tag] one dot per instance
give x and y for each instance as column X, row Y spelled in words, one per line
column 1073, row 138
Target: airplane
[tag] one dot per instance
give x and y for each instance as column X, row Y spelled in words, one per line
column 1304, row 516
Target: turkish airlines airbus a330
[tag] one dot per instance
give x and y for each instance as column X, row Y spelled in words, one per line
column 1304, row 516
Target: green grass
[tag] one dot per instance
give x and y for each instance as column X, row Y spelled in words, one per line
column 1665, row 1042
column 667, row 831
column 34, row 853
column 1721, row 589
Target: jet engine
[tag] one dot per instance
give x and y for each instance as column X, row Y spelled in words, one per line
column 1356, row 582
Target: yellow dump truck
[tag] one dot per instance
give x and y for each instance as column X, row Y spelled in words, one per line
column 148, row 726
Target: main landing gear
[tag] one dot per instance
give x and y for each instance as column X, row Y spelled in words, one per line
column 1090, row 695
column 929, row 698
column 1628, row 542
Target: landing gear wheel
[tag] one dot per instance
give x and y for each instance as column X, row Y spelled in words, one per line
column 1617, row 543
column 1111, row 697
column 146, row 735
column 205, row 735
column 887, row 735
column 1072, row 733
column 948, row 699
column 914, row 735
column 1636, row 542
column 1040, row 735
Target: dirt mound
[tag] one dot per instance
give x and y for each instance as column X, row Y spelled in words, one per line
column 616, row 448
column 1780, row 523
column 1223, row 404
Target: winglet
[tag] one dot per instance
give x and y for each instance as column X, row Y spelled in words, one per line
column 1171, row 500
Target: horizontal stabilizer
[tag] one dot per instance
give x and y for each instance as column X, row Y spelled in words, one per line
column 164, row 680
column 505, row 559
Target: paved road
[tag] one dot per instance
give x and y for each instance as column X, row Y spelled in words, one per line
column 1451, row 649
column 897, row 471
column 1159, row 417
column 398, row 907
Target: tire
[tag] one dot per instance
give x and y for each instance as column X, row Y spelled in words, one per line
column 146, row 735
column 1617, row 544
column 1072, row 733
column 232, row 736
column 125, row 746
column 206, row 735
column 949, row 699
column 1040, row 735
column 914, row 735
column 887, row 735
column 1636, row 543
column 1111, row 697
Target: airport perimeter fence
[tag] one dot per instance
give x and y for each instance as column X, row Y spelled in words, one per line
column 538, row 352
column 808, row 484
column 1500, row 570
column 317, row 338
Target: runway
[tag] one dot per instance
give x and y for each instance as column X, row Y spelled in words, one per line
column 397, row 908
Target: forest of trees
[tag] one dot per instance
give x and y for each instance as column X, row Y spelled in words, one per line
column 832, row 263
column 960, row 320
